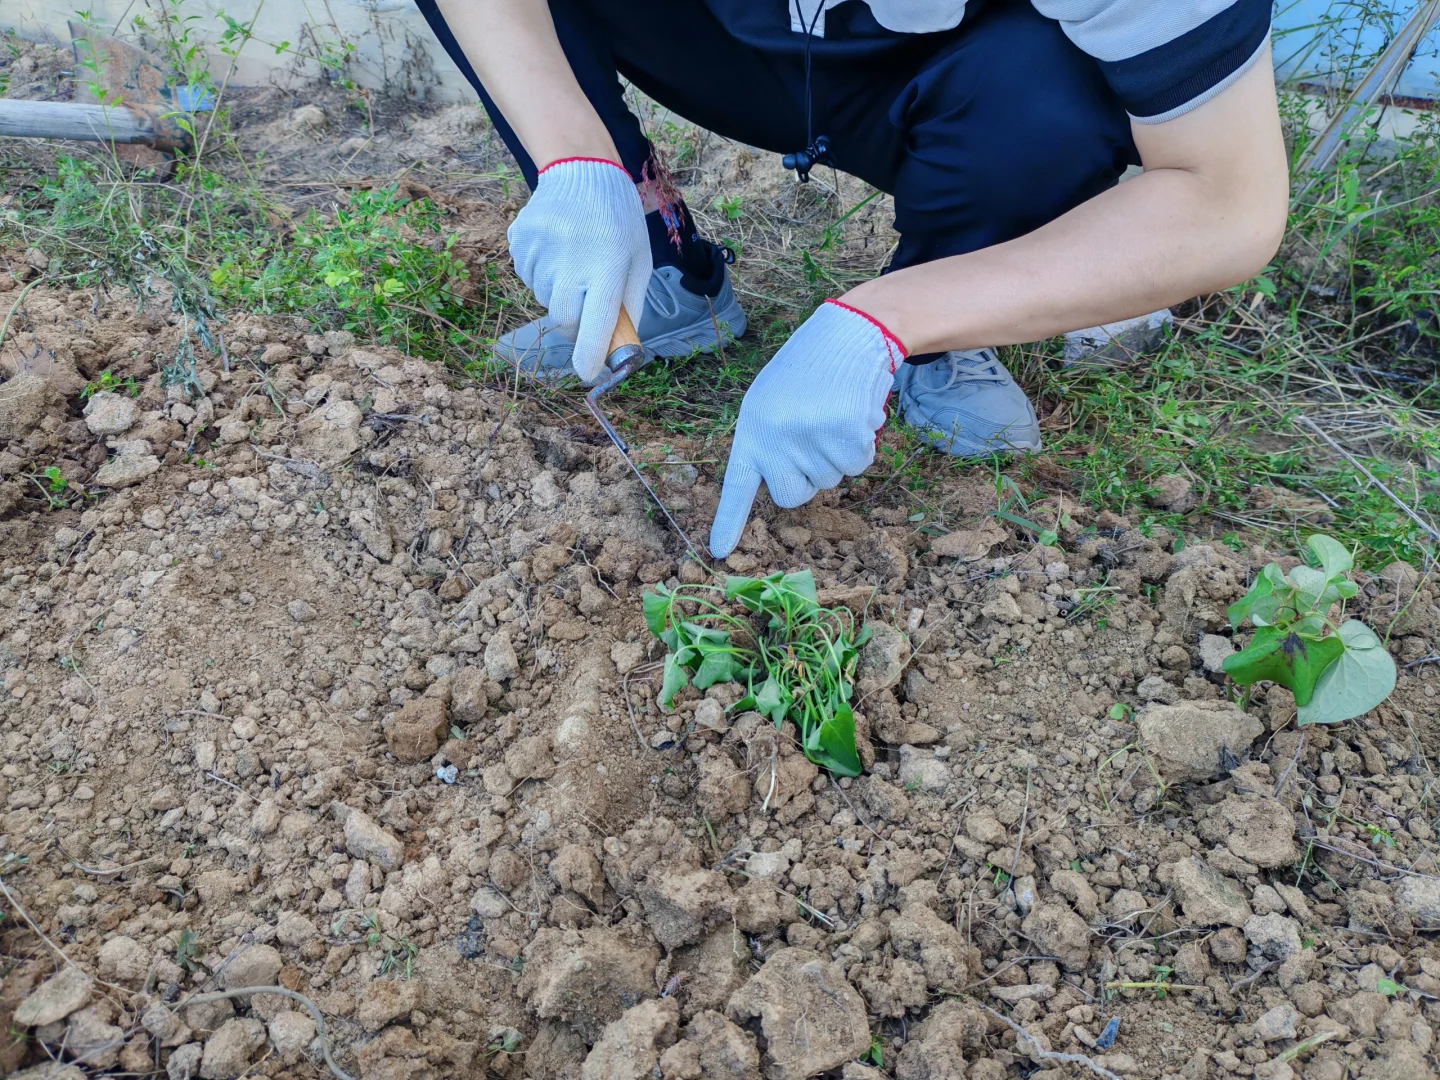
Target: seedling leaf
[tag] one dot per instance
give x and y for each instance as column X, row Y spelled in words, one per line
column 717, row 667
column 832, row 743
column 676, row 677
column 1243, row 608
column 656, row 605
column 1292, row 659
column 1334, row 557
column 770, row 702
column 1360, row 679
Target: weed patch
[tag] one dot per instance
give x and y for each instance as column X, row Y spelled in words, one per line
column 796, row 658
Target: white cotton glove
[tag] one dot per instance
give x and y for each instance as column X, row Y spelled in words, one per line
column 581, row 245
column 810, row 417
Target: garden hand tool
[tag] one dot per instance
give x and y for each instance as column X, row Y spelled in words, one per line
column 625, row 356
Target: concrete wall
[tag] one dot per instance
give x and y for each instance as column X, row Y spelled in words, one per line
column 392, row 46
column 393, row 49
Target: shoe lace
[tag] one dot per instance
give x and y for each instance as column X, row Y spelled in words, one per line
column 660, row 293
column 980, row 365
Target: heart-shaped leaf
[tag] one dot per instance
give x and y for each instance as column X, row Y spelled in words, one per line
column 1334, row 557
column 1312, row 585
column 1360, row 679
column 1239, row 611
column 717, row 667
column 1293, row 660
column 656, row 606
column 745, row 589
column 771, row 701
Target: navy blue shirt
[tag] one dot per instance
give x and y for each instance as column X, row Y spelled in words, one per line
column 1161, row 57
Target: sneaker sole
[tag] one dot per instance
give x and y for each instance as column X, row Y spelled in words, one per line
column 700, row 336
column 934, row 438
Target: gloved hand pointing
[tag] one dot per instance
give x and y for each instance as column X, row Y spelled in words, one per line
column 580, row 244
column 810, row 417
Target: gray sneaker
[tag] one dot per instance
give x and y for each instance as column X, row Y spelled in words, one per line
column 675, row 322
column 967, row 404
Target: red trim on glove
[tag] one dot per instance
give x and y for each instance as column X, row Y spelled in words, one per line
column 597, row 160
column 889, row 337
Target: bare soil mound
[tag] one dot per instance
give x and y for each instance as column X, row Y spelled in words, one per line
column 330, row 674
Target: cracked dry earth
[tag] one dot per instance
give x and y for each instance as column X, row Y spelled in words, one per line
column 365, row 709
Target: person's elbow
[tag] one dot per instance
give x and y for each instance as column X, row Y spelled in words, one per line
column 1260, row 227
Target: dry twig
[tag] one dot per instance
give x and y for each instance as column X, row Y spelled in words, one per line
column 1033, row 1047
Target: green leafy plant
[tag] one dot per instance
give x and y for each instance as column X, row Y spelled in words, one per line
column 109, row 381
column 399, row 957
column 732, row 208
column 1336, row 672
column 796, row 658
column 185, row 946
column 876, row 1053
column 1046, row 536
column 382, row 263
column 53, row 485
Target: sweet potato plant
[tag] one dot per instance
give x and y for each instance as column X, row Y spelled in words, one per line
column 795, row 658
column 1337, row 669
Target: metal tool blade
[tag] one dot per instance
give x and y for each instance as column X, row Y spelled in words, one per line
column 621, row 364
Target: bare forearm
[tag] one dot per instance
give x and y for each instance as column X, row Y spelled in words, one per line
column 1207, row 214
column 1155, row 240
column 513, row 47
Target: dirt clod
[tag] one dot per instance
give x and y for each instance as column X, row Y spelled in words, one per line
column 56, row 998
column 813, row 1020
column 1206, row 897
column 630, row 1046
column 1187, row 742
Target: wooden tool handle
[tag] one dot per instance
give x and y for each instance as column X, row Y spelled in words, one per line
column 624, row 333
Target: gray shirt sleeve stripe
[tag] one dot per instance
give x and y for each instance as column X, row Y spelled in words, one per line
column 1119, row 29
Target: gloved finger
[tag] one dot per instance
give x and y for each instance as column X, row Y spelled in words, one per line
column 790, row 488
column 598, row 316
column 823, row 476
column 854, row 460
column 737, row 496
column 637, row 284
column 524, row 252
column 564, row 301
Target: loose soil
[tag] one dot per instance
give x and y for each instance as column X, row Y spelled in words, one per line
column 331, row 675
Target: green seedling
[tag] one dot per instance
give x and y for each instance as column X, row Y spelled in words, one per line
column 796, row 659
column 111, row 383
column 399, row 957
column 1336, row 672
column 877, row 1051
column 1046, row 536
column 185, row 946
column 53, row 485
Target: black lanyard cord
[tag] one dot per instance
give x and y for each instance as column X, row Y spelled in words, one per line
column 809, row 33
column 816, row 148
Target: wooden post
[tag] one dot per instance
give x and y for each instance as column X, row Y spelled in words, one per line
column 67, row 120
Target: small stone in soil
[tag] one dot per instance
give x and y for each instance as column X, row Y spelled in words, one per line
column 228, row 1051
column 364, row 839
column 56, row 998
